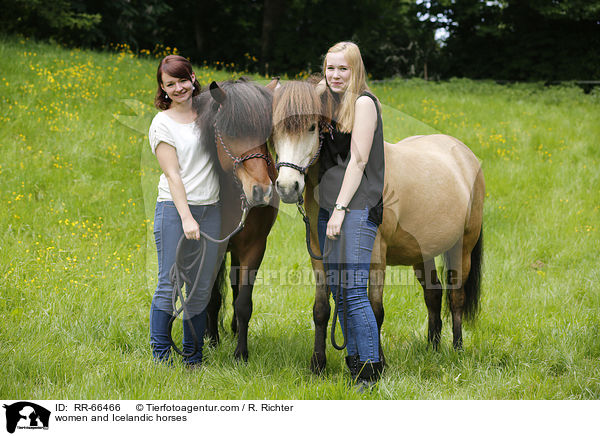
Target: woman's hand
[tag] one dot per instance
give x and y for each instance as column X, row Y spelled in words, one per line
column 191, row 229
column 334, row 225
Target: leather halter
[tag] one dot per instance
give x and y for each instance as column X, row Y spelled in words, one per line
column 302, row 170
column 237, row 161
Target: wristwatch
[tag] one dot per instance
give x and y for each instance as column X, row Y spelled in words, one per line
column 340, row 207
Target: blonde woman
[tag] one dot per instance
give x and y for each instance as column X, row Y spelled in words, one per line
column 351, row 205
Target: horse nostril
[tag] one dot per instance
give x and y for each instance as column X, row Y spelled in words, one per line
column 257, row 193
column 296, row 186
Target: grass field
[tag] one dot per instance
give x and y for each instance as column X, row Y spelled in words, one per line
column 77, row 262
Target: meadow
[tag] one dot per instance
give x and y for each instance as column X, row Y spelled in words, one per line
column 78, row 265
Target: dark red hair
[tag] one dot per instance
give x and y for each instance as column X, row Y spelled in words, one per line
column 175, row 66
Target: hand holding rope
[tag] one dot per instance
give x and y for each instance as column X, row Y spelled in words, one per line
column 179, row 275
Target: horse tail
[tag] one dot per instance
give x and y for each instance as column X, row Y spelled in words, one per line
column 472, row 285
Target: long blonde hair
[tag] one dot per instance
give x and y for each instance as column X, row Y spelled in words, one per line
column 356, row 86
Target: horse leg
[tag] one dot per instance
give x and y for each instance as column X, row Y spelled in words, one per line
column 427, row 275
column 249, row 264
column 235, row 279
column 213, row 309
column 376, row 284
column 321, row 313
column 458, row 267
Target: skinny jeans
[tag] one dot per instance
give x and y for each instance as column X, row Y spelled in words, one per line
column 167, row 232
column 347, row 264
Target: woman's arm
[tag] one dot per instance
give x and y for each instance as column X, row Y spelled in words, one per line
column 167, row 159
column 365, row 123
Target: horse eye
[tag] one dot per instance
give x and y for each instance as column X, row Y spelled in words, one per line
column 312, row 128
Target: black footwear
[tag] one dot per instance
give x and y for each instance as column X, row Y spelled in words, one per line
column 364, row 374
column 369, row 374
column 352, row 364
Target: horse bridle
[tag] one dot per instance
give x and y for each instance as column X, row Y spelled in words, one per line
column 302, row 170
column 237, row 161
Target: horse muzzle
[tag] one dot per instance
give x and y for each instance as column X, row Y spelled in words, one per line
column 289, row 192
column 261, row 196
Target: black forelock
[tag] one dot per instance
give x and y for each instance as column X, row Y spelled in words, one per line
column 245, row 113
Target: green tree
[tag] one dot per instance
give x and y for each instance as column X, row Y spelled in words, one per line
column 520, row 39
column 63, row 20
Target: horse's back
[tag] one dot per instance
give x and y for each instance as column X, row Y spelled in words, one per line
column 429, row 181
column 443, row 150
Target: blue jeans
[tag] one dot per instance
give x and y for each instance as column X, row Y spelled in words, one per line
column 348, row 263
column 167, row 232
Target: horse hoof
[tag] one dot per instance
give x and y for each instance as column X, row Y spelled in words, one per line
column 213, row 340
column 241, row 356
column 318, row 364
column 435, row 345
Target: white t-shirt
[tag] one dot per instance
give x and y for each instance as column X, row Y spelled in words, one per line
column 198, row 174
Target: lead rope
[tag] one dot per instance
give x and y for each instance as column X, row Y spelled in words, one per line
column 179, row 275
column 322, row 126
column 178, row 270
column 328, row 245
column 340, row 293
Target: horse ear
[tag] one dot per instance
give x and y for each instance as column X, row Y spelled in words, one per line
column 327, row 103
column 273, row 84
column 321, row 87
column 217, row 93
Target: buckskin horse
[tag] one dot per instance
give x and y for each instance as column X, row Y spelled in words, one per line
column 433, row 205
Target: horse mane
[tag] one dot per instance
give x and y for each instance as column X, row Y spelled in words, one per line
column 245, row 113
column 295, row 105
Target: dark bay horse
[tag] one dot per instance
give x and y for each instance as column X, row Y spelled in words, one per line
column 235, row 120
column 433, row 205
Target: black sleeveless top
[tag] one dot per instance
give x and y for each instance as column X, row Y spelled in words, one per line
column 334, row 159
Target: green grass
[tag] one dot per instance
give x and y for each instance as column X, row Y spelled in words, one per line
column 77, row 262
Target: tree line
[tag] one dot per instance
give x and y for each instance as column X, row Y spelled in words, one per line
column 502, row 39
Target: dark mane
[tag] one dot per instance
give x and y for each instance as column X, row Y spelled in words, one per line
column 246, row 112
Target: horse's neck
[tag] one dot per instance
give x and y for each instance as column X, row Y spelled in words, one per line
column 271, row 168
column 311, row 182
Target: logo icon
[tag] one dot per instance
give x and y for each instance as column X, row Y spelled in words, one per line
column 25, row 415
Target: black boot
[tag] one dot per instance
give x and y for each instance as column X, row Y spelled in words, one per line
column 352, row 364
column 369, row 373
column 364, row 374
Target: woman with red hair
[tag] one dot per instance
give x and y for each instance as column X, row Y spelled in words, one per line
column 187, row 202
